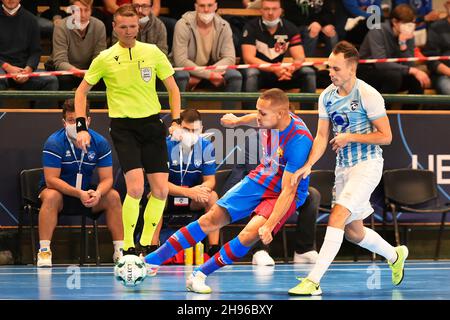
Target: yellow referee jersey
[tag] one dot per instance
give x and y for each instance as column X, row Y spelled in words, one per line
column 129, row 75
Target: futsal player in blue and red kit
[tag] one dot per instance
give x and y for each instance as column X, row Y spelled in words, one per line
column 265, row 193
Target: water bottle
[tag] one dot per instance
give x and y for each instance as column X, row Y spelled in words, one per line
column 199, row 249
column 189, row 256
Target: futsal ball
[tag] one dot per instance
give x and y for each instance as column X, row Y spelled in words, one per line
column 130, row 270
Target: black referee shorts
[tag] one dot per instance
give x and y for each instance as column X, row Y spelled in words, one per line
column 140, row 143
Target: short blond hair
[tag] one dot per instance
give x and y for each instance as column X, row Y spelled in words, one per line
column 125, row 10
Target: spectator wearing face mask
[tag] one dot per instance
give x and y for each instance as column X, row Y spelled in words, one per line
column 76, row 42
column 203, row 38
column 192, row 172
column 394, row 39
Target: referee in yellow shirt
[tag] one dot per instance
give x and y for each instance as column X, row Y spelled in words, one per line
column 129, row 69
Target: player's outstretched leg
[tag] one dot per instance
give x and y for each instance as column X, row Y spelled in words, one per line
column 187, row 237
column 334, row 236
column 369, row 239
column 231, row 252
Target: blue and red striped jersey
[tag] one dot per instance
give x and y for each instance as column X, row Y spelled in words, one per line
column 285, row 150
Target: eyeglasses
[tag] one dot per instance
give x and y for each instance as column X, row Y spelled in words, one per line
column 141, row 6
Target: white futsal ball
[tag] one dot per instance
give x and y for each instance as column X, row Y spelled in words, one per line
column 130, row 270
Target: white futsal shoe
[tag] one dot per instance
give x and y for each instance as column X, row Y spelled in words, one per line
column 262, row 258
column 309, row 257
column 196, row 283
column 44, row 258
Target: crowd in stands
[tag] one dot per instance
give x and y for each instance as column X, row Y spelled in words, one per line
column 192, row 33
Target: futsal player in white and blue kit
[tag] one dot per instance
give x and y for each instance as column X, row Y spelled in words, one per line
column 356, row 113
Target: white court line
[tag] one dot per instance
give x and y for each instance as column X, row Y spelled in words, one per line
column 283, row 265
column 219, row 271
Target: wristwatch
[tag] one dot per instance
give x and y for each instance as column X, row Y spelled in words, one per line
column 177, row 120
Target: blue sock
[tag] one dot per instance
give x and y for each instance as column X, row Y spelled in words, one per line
column 184, row 238
column 229, row 253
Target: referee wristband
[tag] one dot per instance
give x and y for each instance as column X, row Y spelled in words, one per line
column 81, row 124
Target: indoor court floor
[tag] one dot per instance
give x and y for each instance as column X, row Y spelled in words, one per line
column 424, row 280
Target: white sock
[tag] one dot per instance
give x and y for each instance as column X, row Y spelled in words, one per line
column 44, row 244
column 374, row 242
column 328, row 251
column 118, row 244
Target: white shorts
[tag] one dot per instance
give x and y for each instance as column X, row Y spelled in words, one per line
column 354, row 186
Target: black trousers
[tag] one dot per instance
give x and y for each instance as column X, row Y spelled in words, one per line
column 390, row 81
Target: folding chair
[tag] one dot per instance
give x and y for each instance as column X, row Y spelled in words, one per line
column 413, row 191
column 29, row 183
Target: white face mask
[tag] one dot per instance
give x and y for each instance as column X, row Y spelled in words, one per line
column 71, row 131
column 189, row 139
column 81, row 26
column 271, row 24
column 144, row 20
column 407, row 28
column 13, row 11
column 206, row 17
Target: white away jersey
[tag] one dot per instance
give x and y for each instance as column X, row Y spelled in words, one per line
column 353, row 114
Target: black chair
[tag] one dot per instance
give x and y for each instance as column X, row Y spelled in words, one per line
column 29, row 183
column 413, row 191
column 323, row 181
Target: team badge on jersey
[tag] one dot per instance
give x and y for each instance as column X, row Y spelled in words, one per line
column 280, row 152
column 340, row 121
column 91, row 155
column 354, row 105
column 146, row 74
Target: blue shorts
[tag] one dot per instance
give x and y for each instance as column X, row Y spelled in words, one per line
column 247, row 198
column 242, row 199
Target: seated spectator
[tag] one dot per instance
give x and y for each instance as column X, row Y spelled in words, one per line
column 395, row 39
column 48, row 19
column 314, row 19
column 20, row 50
column 424, row 16
column 268, row 39
column 151, row 28
column 66, row 185
column 192, row 172
column 75, row 45
column 355, row 19
column 305, row 231
column 438, row 44
column 203, row 38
